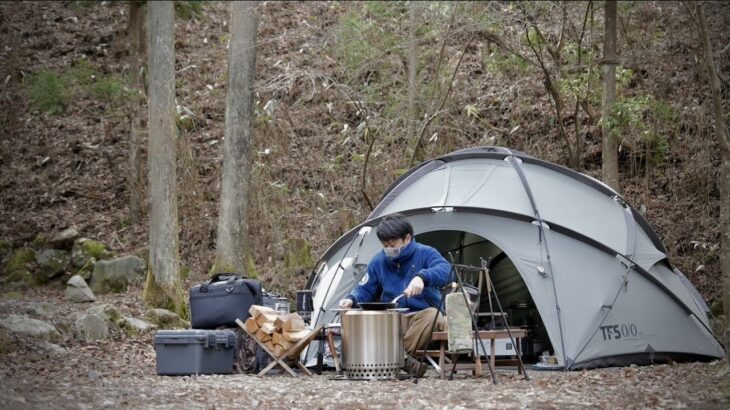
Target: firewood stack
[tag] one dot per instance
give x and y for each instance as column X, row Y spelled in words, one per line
column 276, row 331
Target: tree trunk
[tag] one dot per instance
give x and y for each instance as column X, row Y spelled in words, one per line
column 413, row 14
column 232, row 248
column 137, row 53
column 608, row 69
column 721, row 131
column 163, row 288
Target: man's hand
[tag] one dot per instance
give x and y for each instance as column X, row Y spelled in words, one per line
column 415, row 287
column 346, row 303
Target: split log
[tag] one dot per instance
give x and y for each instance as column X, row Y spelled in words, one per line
column 294, row 323
column 266, row 318
column 278, row 350
column 268, row 328
column 296, row 336
column 263, row 336
column 256, row 310
column 251, row 326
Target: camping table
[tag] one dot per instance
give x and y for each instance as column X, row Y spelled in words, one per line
column 491, row 335
column 292, row 353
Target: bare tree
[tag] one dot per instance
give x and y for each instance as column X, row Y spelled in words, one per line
column 413, row 14
column 231, row 249
column 722, row 135
column 608, row 70
column 137, row 54
column 163, row 288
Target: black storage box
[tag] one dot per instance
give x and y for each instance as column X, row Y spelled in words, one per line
column 222, row 300
column 186, row 352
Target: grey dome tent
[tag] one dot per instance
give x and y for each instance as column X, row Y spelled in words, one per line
column 558, row 240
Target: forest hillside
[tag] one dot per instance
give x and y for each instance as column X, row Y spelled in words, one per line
column 348, row 96
column 332, row 96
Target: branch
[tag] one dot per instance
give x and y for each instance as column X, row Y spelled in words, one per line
column 367, row 133
column 554, row 94
column 443, row 101
column 441, row 57
column 363, row 180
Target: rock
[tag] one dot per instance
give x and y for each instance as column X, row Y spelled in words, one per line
column 166, row 319
column 136, row 326
column 44, row 310
column 53, row 349
column 116, row 274
column 86, row 252
column 78, row 291
column 52, row 262
column 19, row 261
column 65, row 239
column 25, row 326
column 20, row 279
column 93, row 375
column 90, row 327
column 85, row 274
column 106, row 312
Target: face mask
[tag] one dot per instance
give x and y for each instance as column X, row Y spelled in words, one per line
column 393, row 253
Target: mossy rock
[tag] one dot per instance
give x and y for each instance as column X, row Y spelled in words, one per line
column 20, row 260
column 108, row 312
column 86, row 252
column 20, row 279
column 52, row 263
column 165, row 319
column 85, row 273
column 134, row 327
column 117, row 274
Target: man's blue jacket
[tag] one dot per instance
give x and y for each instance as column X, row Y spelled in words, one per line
column 390, row 277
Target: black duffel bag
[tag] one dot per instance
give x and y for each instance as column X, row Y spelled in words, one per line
column 223, row 299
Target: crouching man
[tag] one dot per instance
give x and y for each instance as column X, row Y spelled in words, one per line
column 410, row 268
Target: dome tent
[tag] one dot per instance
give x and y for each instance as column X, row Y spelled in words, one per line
column 597, row 274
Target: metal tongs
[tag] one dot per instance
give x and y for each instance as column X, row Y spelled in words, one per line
column 398, row 297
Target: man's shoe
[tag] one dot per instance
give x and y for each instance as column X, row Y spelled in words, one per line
column 415, row 368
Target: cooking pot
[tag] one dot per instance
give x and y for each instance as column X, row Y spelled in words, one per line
column 372, row 344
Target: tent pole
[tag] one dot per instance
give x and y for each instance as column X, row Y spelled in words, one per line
column 542, row 239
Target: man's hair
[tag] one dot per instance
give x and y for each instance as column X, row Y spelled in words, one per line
column 394, row 226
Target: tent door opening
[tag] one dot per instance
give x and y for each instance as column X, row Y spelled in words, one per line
column 468, row 250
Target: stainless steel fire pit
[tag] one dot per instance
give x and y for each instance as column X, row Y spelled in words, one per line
column 372, row 344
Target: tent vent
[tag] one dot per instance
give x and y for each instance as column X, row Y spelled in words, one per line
column 544, row 225
column 620, row 201
column 541, row 271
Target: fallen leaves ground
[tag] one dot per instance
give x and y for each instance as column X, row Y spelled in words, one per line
column 120, row 373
